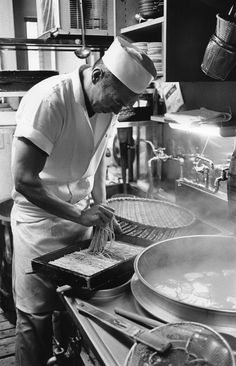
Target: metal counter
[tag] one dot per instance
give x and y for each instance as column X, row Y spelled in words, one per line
column 111, row 348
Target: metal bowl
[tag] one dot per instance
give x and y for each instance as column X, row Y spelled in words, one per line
column 192, row 278
column 193, row 342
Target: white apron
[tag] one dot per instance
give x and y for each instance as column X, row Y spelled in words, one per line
column 36, row 233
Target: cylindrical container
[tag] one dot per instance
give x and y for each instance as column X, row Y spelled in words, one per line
column 219, row 59
column 226, row 29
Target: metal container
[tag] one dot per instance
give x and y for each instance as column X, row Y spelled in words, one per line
column 169, row 272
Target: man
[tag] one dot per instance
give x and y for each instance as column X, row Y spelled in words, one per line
column 58, row 163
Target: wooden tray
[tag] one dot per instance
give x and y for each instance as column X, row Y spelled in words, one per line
column 105, row 278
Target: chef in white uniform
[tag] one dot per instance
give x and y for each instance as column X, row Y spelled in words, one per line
column 58, row 164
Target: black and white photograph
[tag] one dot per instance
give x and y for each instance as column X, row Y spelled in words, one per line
column 118, row 182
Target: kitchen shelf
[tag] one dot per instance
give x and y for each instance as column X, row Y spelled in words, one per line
column 127, row 124
column 159, row 118
column 12, row 93
column 184, row 30
column 149, row 25
column 228, row 130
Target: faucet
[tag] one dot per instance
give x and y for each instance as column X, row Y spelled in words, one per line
column 206, row 168
column 221, row 178
column 160, row 156
column 201, row 164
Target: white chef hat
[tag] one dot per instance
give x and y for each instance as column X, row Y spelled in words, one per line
column 129, row 64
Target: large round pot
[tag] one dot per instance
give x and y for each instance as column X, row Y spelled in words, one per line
column 191, row 278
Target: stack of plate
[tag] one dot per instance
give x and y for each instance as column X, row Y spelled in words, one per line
column 150, row 8
column 141, row 45
column 154, row 51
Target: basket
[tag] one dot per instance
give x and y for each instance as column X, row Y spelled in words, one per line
column 148, row 215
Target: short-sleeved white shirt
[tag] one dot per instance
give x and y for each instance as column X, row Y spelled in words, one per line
column 54, row 117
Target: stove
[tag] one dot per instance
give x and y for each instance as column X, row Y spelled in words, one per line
column 109, row 348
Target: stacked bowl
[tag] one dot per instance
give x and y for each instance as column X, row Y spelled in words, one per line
column 150, row 8
column 143, row 46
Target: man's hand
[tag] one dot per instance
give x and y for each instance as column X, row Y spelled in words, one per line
column 97, row 215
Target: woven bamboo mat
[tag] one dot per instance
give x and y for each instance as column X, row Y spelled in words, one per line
column 151, row 213
column 151, row 219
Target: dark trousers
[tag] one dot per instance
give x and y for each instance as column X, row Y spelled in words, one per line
column 34, row 336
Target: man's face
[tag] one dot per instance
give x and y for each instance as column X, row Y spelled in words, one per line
column 111, row 97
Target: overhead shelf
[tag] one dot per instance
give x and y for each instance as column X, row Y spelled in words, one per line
column 149, row 25
column 12, row 93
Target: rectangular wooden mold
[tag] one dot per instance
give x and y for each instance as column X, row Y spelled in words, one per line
column 102, row 279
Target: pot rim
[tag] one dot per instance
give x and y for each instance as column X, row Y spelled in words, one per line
column 170, row 298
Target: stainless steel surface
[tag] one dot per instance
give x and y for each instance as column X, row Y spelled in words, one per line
column 170, row 312
column 111, row 350
column 95, row 338
column 187, row 253
column 109, row 293
column 211, row 208
column 144, row 320
column 136, row 333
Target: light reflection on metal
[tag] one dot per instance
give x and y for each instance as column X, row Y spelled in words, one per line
column 201, row 130
column 206, row 168
column 159, row 157
column 201, row 167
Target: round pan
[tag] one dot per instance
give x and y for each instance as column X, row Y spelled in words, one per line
column 197, row 273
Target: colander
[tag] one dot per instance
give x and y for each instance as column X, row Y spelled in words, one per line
column 193, row 344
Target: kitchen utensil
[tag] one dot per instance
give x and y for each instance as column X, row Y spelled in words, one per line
column 110, row 277
column 82, row 52
column 144, row 320
column 131, row 330
column 189, row 278
column 198, row 345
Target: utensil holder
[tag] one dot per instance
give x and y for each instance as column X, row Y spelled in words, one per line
column 226, row 29
column 219, row 59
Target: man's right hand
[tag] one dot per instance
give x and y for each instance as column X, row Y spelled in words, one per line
column 97, row 215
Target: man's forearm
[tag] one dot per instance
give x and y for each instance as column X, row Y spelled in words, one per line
column 99, row 189
column 39, row 195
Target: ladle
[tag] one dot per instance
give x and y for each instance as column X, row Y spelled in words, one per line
column 82, row 52
column 232, row 11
